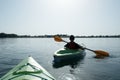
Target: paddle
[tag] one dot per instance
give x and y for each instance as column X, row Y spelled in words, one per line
column 99, row 53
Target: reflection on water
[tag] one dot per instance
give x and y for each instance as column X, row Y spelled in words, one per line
column 69, row 62
column 73, row 64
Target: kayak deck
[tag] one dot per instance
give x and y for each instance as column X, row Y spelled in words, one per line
column 28, row 69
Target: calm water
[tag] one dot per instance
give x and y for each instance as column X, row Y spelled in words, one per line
column 13, row 50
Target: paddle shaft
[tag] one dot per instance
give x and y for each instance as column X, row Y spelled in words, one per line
column 64, row 41
column 89, row 49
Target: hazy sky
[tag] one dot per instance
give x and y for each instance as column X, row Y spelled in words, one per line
column 77, row 17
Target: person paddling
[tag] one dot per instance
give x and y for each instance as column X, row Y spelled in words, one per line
column 72, row 44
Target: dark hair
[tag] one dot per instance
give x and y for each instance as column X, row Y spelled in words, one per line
column 72, row 37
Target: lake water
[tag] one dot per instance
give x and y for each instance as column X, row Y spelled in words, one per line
column 13, row 50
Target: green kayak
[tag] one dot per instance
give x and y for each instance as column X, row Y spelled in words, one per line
column 66, row 54
column 28, row 69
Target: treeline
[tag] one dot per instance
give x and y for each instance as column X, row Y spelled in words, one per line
column 5, row 35
column 100, row 36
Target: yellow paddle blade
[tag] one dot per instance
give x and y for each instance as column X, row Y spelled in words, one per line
column 101, row 53
column 58, row 39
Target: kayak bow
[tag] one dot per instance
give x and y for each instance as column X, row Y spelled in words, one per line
column 28, row 69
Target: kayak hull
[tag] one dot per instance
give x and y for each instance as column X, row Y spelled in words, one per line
column 67, row 54
column 28, row 69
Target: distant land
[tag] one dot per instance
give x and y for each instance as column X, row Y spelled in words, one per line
column 5, row 35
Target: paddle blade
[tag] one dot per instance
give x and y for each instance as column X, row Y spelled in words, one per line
column 58, row 39
column 101, row 53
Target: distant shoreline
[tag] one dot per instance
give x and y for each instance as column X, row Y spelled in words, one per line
column 5, row 35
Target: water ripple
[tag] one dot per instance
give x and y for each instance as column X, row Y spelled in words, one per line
column 67, row 77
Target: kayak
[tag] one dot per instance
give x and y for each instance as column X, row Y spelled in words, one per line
column 66, row 54
column 28, row 69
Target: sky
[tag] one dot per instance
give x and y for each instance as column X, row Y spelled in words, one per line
column 76, row 17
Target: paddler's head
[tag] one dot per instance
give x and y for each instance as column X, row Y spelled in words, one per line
column 72, row 38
